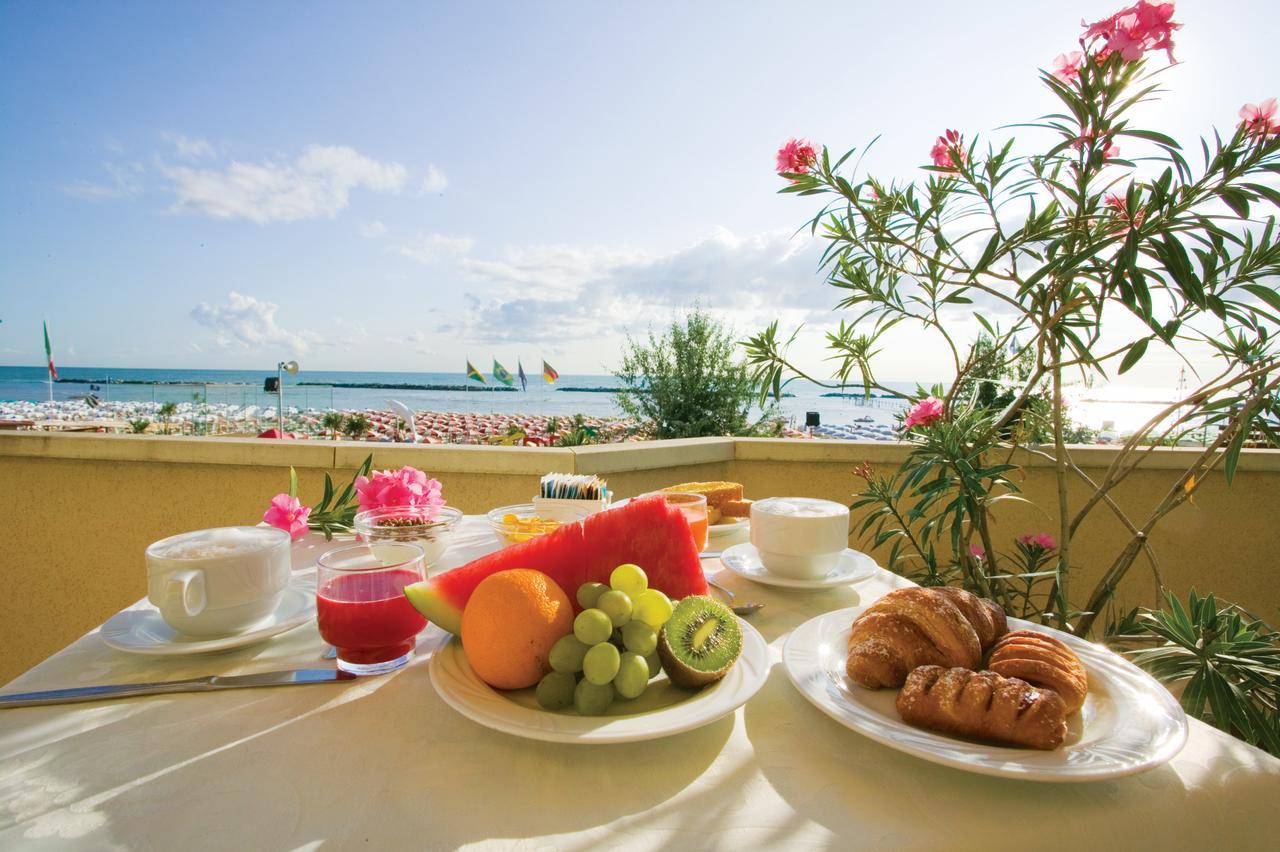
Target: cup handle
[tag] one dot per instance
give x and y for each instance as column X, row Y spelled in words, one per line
column 185, row 591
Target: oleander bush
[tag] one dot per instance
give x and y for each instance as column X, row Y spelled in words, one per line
column 1108, row 223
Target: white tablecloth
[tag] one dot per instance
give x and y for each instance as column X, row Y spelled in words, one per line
column 383, row 763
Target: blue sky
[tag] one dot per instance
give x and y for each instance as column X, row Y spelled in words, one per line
column 401, row 185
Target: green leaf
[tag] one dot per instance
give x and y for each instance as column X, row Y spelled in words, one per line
column 1134, row 355
column 293, row 482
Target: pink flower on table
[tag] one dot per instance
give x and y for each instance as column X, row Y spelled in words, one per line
column 1134, row 30
column 1066, row 66
column 923, row 413
column 948, row 151
column 288, row 514
column 796, row 156
column 1260, row 119
column 407, row 486
column 1044, row 541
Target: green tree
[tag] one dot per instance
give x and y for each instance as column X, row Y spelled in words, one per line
column 139, row 426
column 688, row 382
column 334, row 421
column 166, row 413
column 355, row 426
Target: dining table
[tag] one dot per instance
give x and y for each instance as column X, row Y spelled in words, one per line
column 384, row 763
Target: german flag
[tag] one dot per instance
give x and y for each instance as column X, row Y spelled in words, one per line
column 475, row 375
column 549, row 373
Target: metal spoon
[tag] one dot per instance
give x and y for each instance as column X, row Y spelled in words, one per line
column 739, row 609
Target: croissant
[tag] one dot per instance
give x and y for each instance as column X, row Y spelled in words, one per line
column 1043, row 661
column 983, row 705
column 908, row 628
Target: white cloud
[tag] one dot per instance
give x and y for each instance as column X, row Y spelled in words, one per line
column 124, row 183
column 373, row 229
column 316, row 184
column 190, row 149
column 435, row 181
column 549, row 293
column 248, row 322
column 435, row 247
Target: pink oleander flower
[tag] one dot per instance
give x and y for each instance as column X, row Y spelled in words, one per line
column 796, row 156
column 288, row 514
column 1119, row 205
column 1112, row 149
column 948, row 151
column 1066, row 66
column 1134, row 30
column 407, row 486
column 1260, row 119
column 1044, row 541
column 923, row 413
column 976, row 551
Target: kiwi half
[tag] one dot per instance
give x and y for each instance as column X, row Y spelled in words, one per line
column 700, row 642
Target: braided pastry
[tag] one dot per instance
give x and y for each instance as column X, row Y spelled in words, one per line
column 1042, row 661
column 908, row 628
column 983, row 705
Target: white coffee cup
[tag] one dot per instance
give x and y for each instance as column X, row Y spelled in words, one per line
column 799, row 537
column 220, row 581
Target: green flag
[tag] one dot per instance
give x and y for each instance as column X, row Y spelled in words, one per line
column 475, row 375
column 48, row 353
column 502, row 374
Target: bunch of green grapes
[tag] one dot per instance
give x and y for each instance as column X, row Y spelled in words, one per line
column 612, row 652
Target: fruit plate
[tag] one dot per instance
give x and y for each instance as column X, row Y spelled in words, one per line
column 661, row 711
column 1129, row 722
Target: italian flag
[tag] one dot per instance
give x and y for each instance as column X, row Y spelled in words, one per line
column 48, row 353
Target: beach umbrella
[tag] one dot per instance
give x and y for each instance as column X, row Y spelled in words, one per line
column 407, row 416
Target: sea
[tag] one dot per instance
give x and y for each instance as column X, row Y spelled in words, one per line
column 323, row 390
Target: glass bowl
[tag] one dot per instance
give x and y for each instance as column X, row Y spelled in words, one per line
column 430, row 529
column 519, row 522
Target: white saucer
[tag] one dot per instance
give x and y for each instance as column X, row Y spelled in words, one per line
column 143, row 631
column 853, row 567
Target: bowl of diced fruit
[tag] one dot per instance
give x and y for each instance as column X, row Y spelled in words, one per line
column 514, row 524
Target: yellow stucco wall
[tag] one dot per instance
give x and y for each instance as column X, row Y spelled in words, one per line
column 81, row 508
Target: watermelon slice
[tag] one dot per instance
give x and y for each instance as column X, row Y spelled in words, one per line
column 646, row 532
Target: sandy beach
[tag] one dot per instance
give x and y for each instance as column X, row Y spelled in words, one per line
column 432, row 427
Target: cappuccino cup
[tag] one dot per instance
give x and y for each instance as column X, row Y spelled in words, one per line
column 218, row 582
column 799, row 537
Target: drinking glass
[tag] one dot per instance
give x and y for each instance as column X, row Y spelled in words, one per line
column 361, row 608
column 694, row 509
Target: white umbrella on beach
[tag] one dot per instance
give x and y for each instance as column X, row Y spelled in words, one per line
column 404, row 413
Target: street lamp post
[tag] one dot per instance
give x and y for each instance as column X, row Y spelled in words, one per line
column 290, row 367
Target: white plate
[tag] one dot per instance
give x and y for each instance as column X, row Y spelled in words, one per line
column 664, row 709
column 725, row 529
column 143, row 631
column 744, row 560
column 1129, row 722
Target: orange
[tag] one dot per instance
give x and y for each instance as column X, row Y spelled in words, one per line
column 510, row 623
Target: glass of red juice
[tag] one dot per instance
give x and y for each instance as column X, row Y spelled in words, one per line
column 361, row 608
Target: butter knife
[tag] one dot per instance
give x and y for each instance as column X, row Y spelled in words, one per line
column 209, row 683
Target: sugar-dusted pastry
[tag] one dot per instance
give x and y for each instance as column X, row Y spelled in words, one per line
column 913, row 627
column 983, row 705
column 1043, row 661
column 986, row 616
